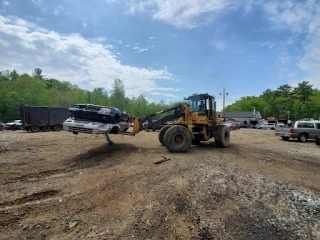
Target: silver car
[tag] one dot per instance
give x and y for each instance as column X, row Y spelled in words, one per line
column 90, row 127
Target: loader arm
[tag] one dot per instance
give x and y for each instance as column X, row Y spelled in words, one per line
column 178, row 109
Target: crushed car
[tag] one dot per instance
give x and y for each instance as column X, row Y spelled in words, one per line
column 95, row 119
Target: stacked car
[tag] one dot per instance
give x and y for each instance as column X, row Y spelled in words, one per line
column 95, row 119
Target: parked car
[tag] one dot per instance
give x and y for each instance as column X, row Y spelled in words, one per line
column 1, row 126
column 302, row 130
column 231, row 125
column 268, row 126
column 15, row 125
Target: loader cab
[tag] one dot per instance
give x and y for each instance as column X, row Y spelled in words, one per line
column 204, row 104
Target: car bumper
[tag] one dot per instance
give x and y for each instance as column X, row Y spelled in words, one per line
column 283, row 134
column 88, row 127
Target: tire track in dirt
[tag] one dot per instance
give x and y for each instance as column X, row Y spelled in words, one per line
column 33, row 177
column 32, row 197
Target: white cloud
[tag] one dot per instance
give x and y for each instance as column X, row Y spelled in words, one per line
column 151, row 38
column 118, row 41
column 128, row 45
column 84, row 62
column 139, row 49
column 167, row 95
column 301, row 18
column 6, row 3
column 220, row 45
column 180, row 13
column 37, row 2
column 4, row 43
column 57, row 10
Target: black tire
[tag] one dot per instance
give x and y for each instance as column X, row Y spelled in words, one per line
column 302, row 137
column 285, row 138
column 46, row 128
column 177, row 139
column 1, row 128
column 34, row 128
column 318, row 140
column 162, row 133
column 13, row 127
column 56, row 128
column 223, row 136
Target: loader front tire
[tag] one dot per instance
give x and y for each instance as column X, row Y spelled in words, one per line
column 177, row 139
column 162, row 133
column 223, row 136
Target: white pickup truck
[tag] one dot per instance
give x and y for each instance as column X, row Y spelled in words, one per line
column 302, row 130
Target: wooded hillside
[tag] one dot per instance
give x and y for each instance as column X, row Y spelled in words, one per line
column 36, row 90
column 302, row 101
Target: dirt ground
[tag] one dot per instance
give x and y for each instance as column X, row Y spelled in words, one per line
column 57, row 186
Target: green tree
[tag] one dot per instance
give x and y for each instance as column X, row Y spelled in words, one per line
column 37, row 73
column 118, row 97
column 14, row 75
column 304, row 91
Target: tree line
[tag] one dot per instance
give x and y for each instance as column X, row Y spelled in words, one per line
column 36, row 90
column 285, row 102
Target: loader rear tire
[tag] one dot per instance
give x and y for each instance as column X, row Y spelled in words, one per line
column 223, row 136
column 177, row 139
column 162, row 133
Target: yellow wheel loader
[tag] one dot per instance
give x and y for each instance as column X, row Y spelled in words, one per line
column 195, row 121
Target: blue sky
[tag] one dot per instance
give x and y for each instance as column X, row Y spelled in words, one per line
column 165, row 49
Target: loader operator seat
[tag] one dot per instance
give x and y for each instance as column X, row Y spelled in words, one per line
column 202, row 108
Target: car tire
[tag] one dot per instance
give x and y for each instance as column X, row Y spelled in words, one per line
column 302, row 137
